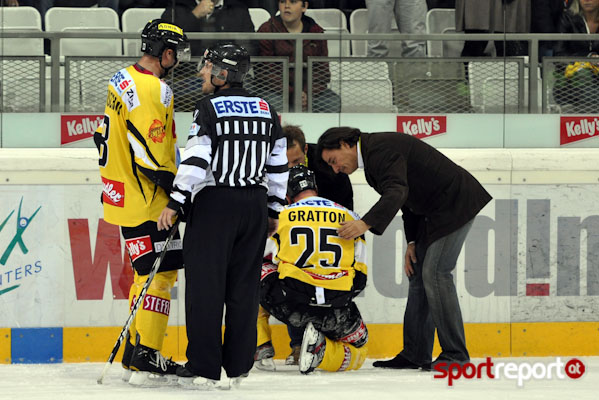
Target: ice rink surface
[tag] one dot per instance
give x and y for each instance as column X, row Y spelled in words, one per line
column 78, row 381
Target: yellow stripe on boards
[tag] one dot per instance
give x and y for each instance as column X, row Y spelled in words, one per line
column 5, row 347
column 535, row 339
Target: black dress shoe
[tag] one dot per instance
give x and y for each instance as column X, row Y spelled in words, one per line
column 183, row 372
column 399, row 362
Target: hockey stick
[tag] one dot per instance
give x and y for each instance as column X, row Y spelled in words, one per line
column 138, row 301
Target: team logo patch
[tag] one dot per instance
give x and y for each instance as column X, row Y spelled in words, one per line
column 139, row 246
column 113, row 192
column 156, row 132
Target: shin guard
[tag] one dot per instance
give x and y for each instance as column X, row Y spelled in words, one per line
column 152, row 317
column 340, row 356
column 263, row 328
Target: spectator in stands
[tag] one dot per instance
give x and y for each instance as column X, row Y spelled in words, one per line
column 582, row 16
column 545, row 17
column 577, row 84
column 492, row 16
column 410, row 16
column 293, row 20
column 211, row 16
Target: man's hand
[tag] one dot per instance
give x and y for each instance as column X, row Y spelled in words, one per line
column 352, row 229
column 166, row 219
column 273, row 225
column 409, row 259
column 204, row 8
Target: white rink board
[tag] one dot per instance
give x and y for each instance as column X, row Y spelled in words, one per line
column 540, row 196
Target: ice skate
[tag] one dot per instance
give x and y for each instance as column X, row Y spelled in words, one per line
column 312, row 351
column 150, row 368
column 264, row 357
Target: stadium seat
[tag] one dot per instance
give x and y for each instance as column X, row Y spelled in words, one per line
column 358, row 23
column 363, row 96
column 328, row 17
column 365, row 70
column 134, row 20
column 442, row 20
column 75, row 19
column 20, row 80
column 495, row 86
column 337, row 48
column 21, row 19
column 259, row 16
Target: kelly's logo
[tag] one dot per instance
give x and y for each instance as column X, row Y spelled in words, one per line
column 22, row 223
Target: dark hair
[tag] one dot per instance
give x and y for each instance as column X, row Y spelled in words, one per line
column 294, row 135
column 333, row 137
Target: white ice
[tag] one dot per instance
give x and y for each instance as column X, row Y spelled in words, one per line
column 78, row 381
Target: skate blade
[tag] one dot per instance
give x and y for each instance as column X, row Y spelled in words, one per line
column 197, row 383
column 306, row 357
column 149, row 379
column 266, row 364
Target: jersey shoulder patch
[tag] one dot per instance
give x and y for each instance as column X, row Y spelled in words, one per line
column 122, row 81
column 166, row 94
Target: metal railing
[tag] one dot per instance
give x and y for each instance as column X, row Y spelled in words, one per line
column 536, row 100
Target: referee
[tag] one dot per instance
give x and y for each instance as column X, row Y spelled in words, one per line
column 234, row 174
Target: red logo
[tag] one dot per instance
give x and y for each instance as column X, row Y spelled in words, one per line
column 124, row 84
column 113, row 192
column 575, row 368
column 153, row 303
column 422, row 127
column 139, row 246
column 574, row 129
column 263, row 105
column 74, row 128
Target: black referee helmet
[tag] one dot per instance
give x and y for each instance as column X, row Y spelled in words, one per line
column 229, row 56
column 300, row 179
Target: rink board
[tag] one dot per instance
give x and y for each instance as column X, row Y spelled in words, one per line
column 527, row 279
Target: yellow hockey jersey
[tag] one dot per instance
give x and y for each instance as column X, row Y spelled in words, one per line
column 306, row 246
column 137, row 147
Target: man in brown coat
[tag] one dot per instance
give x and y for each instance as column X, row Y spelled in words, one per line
column 439, row 201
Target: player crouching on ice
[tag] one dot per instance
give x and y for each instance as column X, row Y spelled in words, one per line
column 313, row 278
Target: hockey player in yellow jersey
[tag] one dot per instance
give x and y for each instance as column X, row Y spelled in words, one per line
column 138, row 162
column 314, row 276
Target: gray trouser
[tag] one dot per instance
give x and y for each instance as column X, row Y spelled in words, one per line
column 433, row 302
column 410, row 16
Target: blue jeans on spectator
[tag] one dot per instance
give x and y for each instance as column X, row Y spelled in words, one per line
column 433, row 302
column 296, row 335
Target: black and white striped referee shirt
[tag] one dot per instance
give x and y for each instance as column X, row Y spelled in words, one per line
column 236, row 141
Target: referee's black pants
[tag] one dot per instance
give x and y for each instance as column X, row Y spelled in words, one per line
column 222, row 250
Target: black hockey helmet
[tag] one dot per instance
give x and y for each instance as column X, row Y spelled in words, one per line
column 300, row 179
column 159, row 35
column 229, row 56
